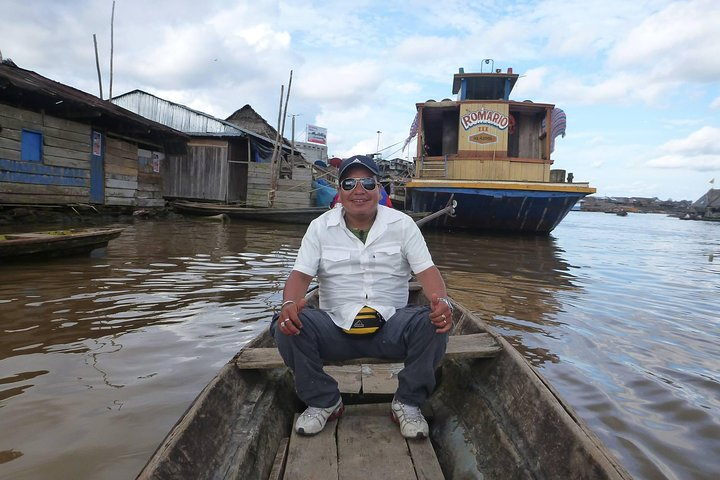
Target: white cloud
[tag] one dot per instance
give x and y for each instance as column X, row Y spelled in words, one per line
column 700, row 151
column 703, row 141
column 530, row 83
column 677, row 43
column 652, row 49
column 342, row 85
column 408, row 88
column 683, row 123
column 434, row 55
column 627, row 73
column 701, row 163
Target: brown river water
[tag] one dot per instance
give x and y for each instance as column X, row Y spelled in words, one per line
column 101, row 354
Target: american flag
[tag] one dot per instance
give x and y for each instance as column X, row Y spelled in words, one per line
column 413, row 131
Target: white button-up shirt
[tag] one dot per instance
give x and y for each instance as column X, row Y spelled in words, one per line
column 352, row 274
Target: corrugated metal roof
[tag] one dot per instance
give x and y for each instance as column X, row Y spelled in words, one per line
column 173, row 115
column 27, row 89
column 180, row 117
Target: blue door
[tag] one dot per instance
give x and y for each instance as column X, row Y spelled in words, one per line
column 97, row 169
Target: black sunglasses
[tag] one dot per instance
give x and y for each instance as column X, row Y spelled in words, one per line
column 368, row 183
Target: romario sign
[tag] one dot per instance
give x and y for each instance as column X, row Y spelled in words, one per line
column 483, row 126
column 485, row 117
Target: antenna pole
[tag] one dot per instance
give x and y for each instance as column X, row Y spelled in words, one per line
column 97, row 65
column 112, row 46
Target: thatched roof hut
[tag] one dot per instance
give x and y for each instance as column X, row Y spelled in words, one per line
column 708, row 204
column 248, row 119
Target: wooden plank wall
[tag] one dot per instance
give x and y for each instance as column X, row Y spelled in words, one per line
column 150, row 169
column 291, row 193
column 530, row 144
column 121, row 171
column 63, row 175
column 201, row 175
column 238, row 155
column 531, row 172
column 469, row 169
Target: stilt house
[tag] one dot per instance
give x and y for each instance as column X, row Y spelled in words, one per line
column 228, row 161
column 62, row 146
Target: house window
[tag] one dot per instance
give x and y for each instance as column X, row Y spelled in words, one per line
column 31, row 146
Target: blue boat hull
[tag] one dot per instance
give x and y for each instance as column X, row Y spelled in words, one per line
column 500, row 210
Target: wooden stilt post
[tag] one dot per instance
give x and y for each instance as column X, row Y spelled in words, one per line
column 277, row 152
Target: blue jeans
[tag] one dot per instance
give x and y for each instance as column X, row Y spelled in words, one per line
column 408, row 336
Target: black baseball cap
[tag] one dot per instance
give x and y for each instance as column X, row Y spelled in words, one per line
column 363, row 160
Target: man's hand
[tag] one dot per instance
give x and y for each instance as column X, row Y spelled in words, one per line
column 289, row 319
column 440, row 314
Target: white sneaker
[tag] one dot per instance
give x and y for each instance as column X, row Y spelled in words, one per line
column 411, row 421
column 313, row 419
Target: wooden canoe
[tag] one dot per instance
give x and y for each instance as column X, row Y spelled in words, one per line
column 492, row 416
column 300, row 215
column 24, row 246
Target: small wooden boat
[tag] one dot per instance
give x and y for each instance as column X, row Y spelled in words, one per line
column 301, row 215
column 21, row 246
column 492, row 416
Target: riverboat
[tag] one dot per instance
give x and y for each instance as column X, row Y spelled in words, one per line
column 300, row 215
column 494, row 155
column 36, row 245
column 492, row 416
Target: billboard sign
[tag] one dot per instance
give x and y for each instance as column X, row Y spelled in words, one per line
column 317, row 134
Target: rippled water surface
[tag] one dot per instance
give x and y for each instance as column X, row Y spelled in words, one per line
column 100, row 355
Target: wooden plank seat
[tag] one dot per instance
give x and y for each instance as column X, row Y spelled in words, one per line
column 363, row 444
column 373, row 375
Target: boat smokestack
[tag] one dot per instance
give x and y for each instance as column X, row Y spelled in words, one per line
column 509, row 69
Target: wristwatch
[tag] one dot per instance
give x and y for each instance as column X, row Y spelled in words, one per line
column 448, row 303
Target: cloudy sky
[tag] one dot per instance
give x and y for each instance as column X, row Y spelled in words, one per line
column 638, row 80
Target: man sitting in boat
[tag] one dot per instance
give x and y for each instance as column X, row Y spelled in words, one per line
column 362, row 254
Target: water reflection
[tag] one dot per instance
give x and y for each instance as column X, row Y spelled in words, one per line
column 137, row 284
column 145, row 321
column 100, row 355
column 512, row 282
